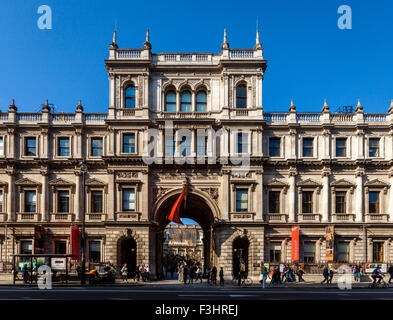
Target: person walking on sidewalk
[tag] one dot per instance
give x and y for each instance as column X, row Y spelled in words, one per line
column 325, row 274
column 356, row 273
column 390, row 271
column 214, row 275
column 265, row 274
column 199, row 274
column 300, row 273
column 331, row 273
column 221, row 274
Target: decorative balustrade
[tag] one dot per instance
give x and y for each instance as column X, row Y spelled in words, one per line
column 184, row 57
column 342, row 117
column 275, row 117
column 241, row 112
column 3, row 116
column 95, row 116
column 241, row 53
column 186, row 115
column 63, row 117
column 307, row 117
column 375, row 117
column 29, row 116
column 128, row 54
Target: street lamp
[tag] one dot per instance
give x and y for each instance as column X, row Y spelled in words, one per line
column 83, row 168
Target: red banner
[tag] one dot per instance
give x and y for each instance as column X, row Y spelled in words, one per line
column 330, row 243
column 174, row 214
column 295, row 243
column 39, row 236
column 74, row 242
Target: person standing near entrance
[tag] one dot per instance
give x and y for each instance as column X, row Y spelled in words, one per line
column 325, row 274
column 221, row 276
column 124, row 273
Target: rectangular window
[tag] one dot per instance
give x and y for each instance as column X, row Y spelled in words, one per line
column 342, row 252
column 26, row 247
column 241, row 200
column 341, row 206
column 309, row 252
column 1, row 200
column 275, row 252
column 202, row 146
column 128, row 199
column 94, row 251
column 129, row 143
column 185, row 147
column 169, row 147
column 63, row 147
column 341, row 147
column 96, row 147
column 373, row 148
column 308, row 147
column 30, row 201
column 378, row 252
column 63, row 204
column 242, row 143
column 274, row 201
column 96, row 201
column 1, row 146
column 373, row 202
column 274, row 147
column 30, row 147
column 307, row 204
column 60, row 247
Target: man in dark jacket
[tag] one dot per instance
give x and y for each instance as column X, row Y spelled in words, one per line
column 325, row 274
column 185, row 273
column 390, row 271
column 221, row 276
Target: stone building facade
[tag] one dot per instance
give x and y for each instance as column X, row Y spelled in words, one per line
column 273, row 171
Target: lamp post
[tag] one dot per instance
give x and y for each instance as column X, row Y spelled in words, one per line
column 83, row 168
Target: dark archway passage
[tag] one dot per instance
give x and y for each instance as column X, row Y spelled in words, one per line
column 240, row 248
column 196, row 209
column 128, row 254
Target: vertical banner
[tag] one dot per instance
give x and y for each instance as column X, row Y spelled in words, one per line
column 74, row 242
column 330, row 243
column 295, row 243
column 39, row 234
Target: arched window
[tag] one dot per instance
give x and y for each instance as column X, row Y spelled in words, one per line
column 241, row 96
column 201, row 101
column 170, row 101
column 185, row 101
column 130, row 97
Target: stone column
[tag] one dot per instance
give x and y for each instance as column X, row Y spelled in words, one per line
column 11, row 143
column 259, row 196
column 360, row 144
column 391, row 197
column 11, row 199
column 326, row 144
column 78, row 196
column 44, row 195
column 359, row 196
column 45, row 143
column 111, row 195
column 145, row 195
column 226, row 192
column 292, row 195
column 325, row 195
column 292, row 143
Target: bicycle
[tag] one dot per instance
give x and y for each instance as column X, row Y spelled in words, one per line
column 380, row 285
column 243, row 282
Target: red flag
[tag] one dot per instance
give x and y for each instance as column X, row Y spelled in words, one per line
column 74, row 242
column 174, row 214
column 295, row 243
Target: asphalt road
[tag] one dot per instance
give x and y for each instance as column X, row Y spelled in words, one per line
column 189, row 293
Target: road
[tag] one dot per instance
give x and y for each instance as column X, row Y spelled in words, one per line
column 180, row 293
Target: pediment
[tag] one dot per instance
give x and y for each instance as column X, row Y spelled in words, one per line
column 376, row 183
column 342, row 183
column 94, row 182
column 276, row 183
column 27, row 182
column 60, row 182
column 308, row 183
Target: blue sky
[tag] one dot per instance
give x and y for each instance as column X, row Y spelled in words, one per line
column 309, row 57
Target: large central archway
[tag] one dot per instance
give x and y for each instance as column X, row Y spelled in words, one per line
column 198, row 207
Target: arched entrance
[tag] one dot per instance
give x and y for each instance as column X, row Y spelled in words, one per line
column 197, row 207
column 128, row 254
column 240, row 248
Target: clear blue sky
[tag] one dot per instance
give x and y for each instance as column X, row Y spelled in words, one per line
column 309, row 57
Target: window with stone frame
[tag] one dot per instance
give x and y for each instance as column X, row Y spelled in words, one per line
column 30, row 146
column 341, row 201
column 309, row 252
column 170, row 101
column 341, row 147
column 94, row 251
column 274, row 147
column 129, row 102
column 275, row 252
column 128, row 199
column 185, row 146
column 242, row 142
column 202, row 146
column 1, row 200
column 1, row 146
column 185, row 101
column 201, row 101
column 60, row 247
column 30, row 204
column 274, row 201
column 307, row 201
column 96, row 146
column 342, row 252
column 308, row 149
column 63, row 147
column 170, row 146
column 378, row 251
column 97, row 201
column 241, row 96
column 373, row 147
column 241, row 200
column 374, row 202
column 63, row 201
column 129, row 143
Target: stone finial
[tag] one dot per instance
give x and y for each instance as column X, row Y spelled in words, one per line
column 391, row 107
column 114, row 41
column 46, row 107
column 258, row 45
column 225, row 44
column 147, row 44
column 12, row 106
column 292, row 107
column 325, row 107
column 359, row 107
column 79, row 107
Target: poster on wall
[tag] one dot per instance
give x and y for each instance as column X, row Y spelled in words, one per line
column 295, row 244
column 330, row 243
column 370, row 267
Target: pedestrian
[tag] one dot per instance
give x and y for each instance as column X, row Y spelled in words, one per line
column 199, row 274
column 325, row 274
column 331, row 273
column 284, row 272
column 191, row 274
column 185, row 273
column 147, row 273
column 265, row 274
column 124, row 273
column 221, row 276
column 300, row 273
column 356, row 273
column 390, row 271
column 138, row 273
column 214, row 275
column 78, row 271
column 208, row 275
